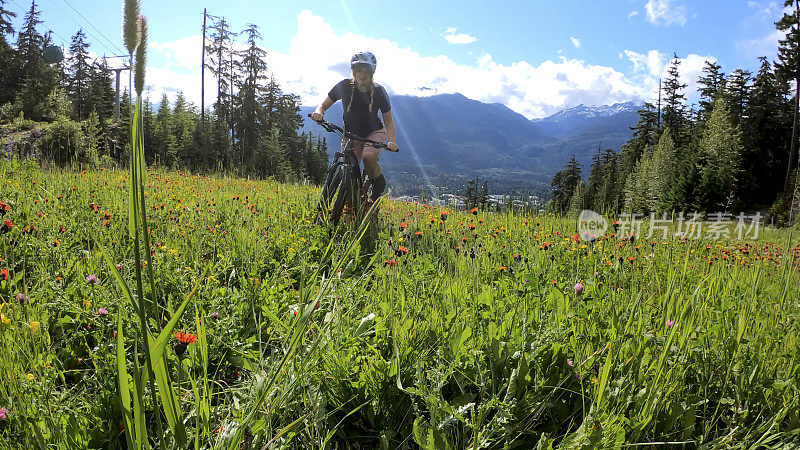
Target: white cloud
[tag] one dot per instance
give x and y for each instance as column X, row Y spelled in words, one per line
column 575, row 41
column 664, row 12
column 180, row 53
column 649, row 68
column 763, row 46
column 633, row 14
column 764, row 40
column 458, row 38
column 318, row 57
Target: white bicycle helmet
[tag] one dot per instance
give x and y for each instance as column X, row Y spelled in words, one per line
column 364, row 59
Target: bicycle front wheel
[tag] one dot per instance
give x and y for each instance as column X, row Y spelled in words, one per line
column 345, row 193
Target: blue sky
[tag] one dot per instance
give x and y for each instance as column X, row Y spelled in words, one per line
column 536, row 57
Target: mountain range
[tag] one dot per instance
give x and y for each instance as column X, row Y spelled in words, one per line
column 448, row 139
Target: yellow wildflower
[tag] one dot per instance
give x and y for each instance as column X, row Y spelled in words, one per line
column 34, row 326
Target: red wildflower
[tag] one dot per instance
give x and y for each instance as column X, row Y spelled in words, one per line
column 403, row 225
column 184, row 339
column 3, row 274
column 7, row 225
column 474, row 211
column 401, row 251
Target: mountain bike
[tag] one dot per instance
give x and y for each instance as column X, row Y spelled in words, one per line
column 346, row 186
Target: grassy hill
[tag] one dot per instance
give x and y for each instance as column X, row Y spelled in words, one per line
column 451, row 329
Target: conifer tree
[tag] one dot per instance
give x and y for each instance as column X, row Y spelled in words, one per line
column 564, row 184
column 720, row 149
column 7, row 56
column 788, row 67
column 606, row 199
column 765, row 137
column 638, row 189
column 183, row 125
column 736, row 93
column 102, row 93
column 219, row 50
column 660, row 178
column 674, row 107
column 163, row 136
column 37, row 78
column 708, row 85
column 253, row 67
column 645, row 135
column 577, row 200
column 79, row 75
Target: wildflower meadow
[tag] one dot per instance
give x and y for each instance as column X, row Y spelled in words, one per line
column 438, row 329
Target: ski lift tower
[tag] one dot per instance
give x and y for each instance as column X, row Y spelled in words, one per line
column 117, row 71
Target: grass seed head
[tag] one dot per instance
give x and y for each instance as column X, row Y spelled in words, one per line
column 130, row 25
column 141, row 56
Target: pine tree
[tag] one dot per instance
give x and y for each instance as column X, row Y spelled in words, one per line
column 483, row 195
column 708, row 85
column 720, row 149
column 788, row 68
column 37, row 78
column 7, row 56
column 220, row 50
column 471, row 194
column 736, row 93
column 564, row 184
column 606, row 198
column 662, row 166
column 645, row 135
column 6, row 27
column 102, row 93
column 674, row 107
column 183, row 125
column 166, row 146
column 317, row 160
column 253, row 67
column 596, row 175
column 578, row 200
column 30, row 44
column 638, row 191
column 79, row 75
column 765, row 137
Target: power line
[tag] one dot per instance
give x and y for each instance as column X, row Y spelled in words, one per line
column 81, row 26
column 92, row 25
column 23, row 11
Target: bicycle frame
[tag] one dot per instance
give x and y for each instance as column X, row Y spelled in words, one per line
column 345, row 177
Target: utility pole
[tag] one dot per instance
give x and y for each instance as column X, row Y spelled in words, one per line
column 659, row 103
column 230, row 113
column 117, row 71
column 203, row 75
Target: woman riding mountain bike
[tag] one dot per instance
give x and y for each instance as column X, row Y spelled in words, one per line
column 362, row 98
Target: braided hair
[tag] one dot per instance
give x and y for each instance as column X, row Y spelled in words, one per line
column 372, row 87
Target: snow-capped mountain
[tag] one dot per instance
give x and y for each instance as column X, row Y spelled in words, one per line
column 573, row 120
column 450, row 137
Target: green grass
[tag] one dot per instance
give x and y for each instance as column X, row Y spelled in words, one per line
column 310, row 338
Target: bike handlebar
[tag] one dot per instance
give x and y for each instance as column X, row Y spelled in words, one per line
column 331, row 128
